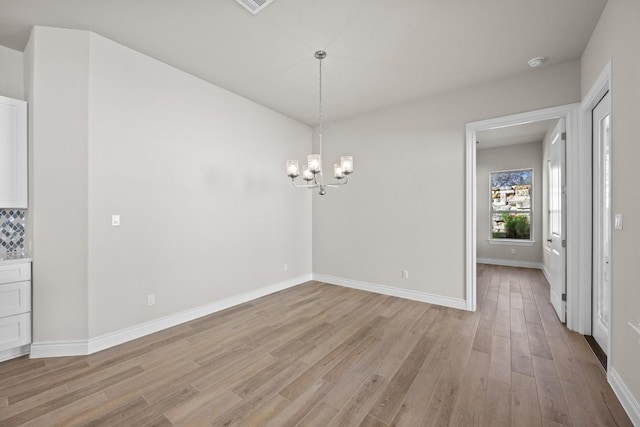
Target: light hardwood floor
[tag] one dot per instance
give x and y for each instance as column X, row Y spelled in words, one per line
column 321, row 355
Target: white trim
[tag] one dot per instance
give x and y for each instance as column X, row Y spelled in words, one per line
column 14, row 352
column 601, row 86
column 76, row 348
column 471, row 214
column 509, row 241
column 575, row 189
column 510, row 263
column 512, row 242
column 582, row 319
column 547, row 274
column 58, row 348
column 394, row 292
column 629, row 403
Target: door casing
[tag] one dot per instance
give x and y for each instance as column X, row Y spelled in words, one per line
column 578, row 176
column 602, row 85
column 601, row 228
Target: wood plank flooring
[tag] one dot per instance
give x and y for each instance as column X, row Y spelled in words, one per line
column 322, row 355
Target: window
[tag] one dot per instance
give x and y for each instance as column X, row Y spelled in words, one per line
column 511, row 197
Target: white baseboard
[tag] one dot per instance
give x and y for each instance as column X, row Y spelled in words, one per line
column 546, row 273
column 394, row 292
column 77, row 348
column 510, row 263
column 14, row 352
column 628, row 401
column 58, row 348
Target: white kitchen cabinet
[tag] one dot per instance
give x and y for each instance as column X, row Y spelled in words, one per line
column 15, row 298
column 15, row 309
column 13, row 153
column 15, row 333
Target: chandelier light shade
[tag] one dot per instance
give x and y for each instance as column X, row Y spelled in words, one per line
column 312, row 171
column 292, row 168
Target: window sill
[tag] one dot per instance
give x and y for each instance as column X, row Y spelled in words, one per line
column 511, row 242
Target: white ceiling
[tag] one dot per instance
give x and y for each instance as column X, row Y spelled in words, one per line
column 380, row 52
column 514, row 135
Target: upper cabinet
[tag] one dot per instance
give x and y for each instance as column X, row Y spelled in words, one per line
column 13, row 153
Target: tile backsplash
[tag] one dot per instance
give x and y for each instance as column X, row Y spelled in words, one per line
column 12, row 230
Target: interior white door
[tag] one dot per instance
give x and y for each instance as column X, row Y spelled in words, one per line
column 556, row 241
column 602, row 222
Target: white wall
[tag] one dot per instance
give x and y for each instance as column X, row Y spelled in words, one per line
column 404, row 207
column 521, row 156
column 198, row 177
column 196, row 173
column 57, row 89
column 616, row 38
column 11, row 73
column 56, row 75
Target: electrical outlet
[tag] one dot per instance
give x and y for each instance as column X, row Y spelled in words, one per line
column 115, row 220
column 405, row 274
column 285, row 267
column 618, row 222
column 151, row 299
column 513, row 251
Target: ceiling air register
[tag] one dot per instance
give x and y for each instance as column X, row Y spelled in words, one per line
column 255, row 6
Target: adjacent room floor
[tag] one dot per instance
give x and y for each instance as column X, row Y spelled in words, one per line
column 324, row 355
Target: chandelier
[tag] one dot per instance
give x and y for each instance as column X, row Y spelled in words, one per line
column 312, row 171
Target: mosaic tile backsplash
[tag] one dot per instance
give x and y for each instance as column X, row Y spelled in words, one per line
column 12, row 230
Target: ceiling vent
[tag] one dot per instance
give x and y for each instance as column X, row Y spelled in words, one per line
column 255, row 6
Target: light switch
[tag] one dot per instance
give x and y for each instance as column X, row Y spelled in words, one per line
column 115, row 220
column 618, row 222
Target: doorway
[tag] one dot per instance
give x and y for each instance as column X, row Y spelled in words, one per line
column 510, row 205
column 576, row 259
column 595, row 304
column 521, row 200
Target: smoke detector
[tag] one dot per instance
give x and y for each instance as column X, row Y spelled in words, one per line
column 536, row 62
column 255, row 6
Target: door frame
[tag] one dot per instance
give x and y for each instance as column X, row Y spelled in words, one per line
column 593, row 97
column 578, row 176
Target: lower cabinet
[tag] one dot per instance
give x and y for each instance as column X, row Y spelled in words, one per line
column 15, row 310
column 15, row 331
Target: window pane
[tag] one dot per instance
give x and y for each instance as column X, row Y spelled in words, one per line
column 550, row 203
column 555, row 204
column 511, row 225
column 511, row 193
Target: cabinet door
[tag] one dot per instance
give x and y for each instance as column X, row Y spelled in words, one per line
column 15, row 298
column 15, row 331
column 10, row 273
column 13, row 153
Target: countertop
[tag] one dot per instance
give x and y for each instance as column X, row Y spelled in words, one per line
column 14, row 258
